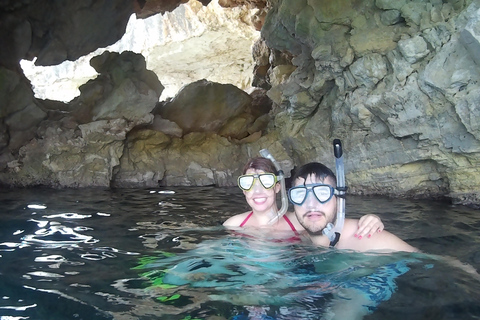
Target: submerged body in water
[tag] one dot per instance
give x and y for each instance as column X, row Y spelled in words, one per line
column 299, row 281
column 143, row 254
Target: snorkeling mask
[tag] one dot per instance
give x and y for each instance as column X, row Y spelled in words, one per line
column 331, row 229
column 283, row 191
column 323, row 193
column 267, row 180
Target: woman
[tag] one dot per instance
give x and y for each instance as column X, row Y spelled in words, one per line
column 260, row 187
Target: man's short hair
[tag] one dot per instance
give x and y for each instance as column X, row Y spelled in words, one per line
column 317, row 169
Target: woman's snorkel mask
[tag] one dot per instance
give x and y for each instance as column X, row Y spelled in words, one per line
column 331, row 229
column 283, row 192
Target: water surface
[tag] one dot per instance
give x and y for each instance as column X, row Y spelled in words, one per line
column 163, row 254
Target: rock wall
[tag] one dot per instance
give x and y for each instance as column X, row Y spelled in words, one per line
column 396, row 81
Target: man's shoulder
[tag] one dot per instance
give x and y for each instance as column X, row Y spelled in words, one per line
column 382, row 241
column 350, row 227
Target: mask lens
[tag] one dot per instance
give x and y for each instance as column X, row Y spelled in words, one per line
column 268, row 180
column 245, row 182
column 297, row 195
column 323, row 193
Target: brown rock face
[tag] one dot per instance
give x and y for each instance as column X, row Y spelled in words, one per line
column 205, row 106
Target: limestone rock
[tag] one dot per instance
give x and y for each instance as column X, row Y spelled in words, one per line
column 413, row 49
column 68, row 158
column 204, row 106
column 123, row 89
column 369, row 70
column 405, row 110
column 190, row 43
column 166, row 126
column 58, row 31
column 374, row 40
column 20, row 111
column 450, row 71
column 145, row 9
column 397, row 81
column 154, row 159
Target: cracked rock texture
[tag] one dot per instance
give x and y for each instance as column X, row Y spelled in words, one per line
column 397, row 81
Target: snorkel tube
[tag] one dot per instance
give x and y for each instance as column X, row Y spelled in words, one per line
column 283, row 192
column 331, row 229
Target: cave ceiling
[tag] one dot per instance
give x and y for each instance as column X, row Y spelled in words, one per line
column 55, row 31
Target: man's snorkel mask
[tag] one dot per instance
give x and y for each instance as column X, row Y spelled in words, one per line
column 331, row 229
column 281, row 178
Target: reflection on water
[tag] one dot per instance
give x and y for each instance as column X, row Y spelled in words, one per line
column 163, row 254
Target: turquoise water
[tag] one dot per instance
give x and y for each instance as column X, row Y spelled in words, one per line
column 163, row 254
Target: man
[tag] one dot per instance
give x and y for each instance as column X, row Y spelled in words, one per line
column 314, row 199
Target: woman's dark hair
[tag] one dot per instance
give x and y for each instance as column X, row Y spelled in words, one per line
column 260, row 163
column 314, row 168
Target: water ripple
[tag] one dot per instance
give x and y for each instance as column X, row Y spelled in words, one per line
column 22, row 308
column 93, row 256
column 51, row 258
column 57, row 236
column 36, row 206
column 106, row 250
column 45, row 274
column 69, row 215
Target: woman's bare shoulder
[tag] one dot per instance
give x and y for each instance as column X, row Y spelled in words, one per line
column 293, row 219
column 236, row 220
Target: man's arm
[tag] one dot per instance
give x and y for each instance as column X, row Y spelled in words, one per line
column 383, row 241
column 386, row 241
